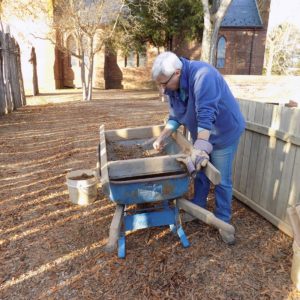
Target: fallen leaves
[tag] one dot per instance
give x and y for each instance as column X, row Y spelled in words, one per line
column 52, row 249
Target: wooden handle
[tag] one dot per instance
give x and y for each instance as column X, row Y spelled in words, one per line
column 212, row 173
column 204, row 215
column 115, row 228
column 295, row 222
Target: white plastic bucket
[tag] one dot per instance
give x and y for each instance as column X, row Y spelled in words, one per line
column 82, row 191
column 295, row 272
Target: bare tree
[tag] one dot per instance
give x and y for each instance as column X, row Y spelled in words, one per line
column 91, row 22
column 214, row 12
column 281, row 45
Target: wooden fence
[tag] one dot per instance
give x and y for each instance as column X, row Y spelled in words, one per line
column 12, row 93
column 266, row 173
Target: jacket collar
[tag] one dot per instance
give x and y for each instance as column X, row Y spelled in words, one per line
column 184, row 81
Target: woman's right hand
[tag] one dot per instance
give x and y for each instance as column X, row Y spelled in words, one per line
column 158, row 144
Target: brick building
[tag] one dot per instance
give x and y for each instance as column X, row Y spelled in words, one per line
column 241, row 47
column 241, row 42
column 242, row 38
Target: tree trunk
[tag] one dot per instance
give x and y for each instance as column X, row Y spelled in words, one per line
column 34, row 71
column 212, row 24
column 83, row 81
column 90, row 78
column 217, row 21
column 170, row 43
column 206, row 39
column 91, row 69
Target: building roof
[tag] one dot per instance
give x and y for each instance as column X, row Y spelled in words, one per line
column 242, row 13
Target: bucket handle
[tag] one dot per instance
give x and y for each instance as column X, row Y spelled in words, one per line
column 80, row 185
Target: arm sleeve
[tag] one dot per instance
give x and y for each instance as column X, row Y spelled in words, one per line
column 172, row 124
column 207, row 91
column 199, row 129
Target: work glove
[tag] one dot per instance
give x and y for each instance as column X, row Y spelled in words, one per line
column 189, row 164
column 200, row 153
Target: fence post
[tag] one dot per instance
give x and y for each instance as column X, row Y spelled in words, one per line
column 2, row 88
column 14, row 74
column 12, row 93
column 6, row 72
column 20, row 76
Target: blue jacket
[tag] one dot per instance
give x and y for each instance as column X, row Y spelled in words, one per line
column 205, row 101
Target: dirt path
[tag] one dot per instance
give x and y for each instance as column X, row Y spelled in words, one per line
column 51, row 249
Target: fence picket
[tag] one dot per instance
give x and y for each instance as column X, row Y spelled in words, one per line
column 12, row 93
column 240, row 151
column 262, row 152
column 247, row 149
column 254, row 151
column 268, row 180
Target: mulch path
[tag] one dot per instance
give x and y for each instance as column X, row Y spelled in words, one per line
column 53, row 249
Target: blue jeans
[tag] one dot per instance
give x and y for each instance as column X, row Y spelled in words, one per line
column 222, row 159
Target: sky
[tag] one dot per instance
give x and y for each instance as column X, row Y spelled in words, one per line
column 284, row 10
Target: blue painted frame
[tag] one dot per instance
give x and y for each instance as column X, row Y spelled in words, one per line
column 150, row 191
column 168, row 214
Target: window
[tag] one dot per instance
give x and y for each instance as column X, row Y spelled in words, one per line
column 130, row 60
column 221, row 52
column 142, row 59
column 74, row 61
column 71, row 45
column 136, row 59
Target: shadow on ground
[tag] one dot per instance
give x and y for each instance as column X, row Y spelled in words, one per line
column 50, row 248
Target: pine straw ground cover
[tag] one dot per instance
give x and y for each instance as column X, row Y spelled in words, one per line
column 52, row 249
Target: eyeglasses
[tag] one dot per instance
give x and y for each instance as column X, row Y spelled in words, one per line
column 166, row 82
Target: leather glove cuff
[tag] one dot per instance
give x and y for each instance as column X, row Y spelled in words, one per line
column 190, row 166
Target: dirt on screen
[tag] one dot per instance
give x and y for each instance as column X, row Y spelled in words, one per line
column 117, row 151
